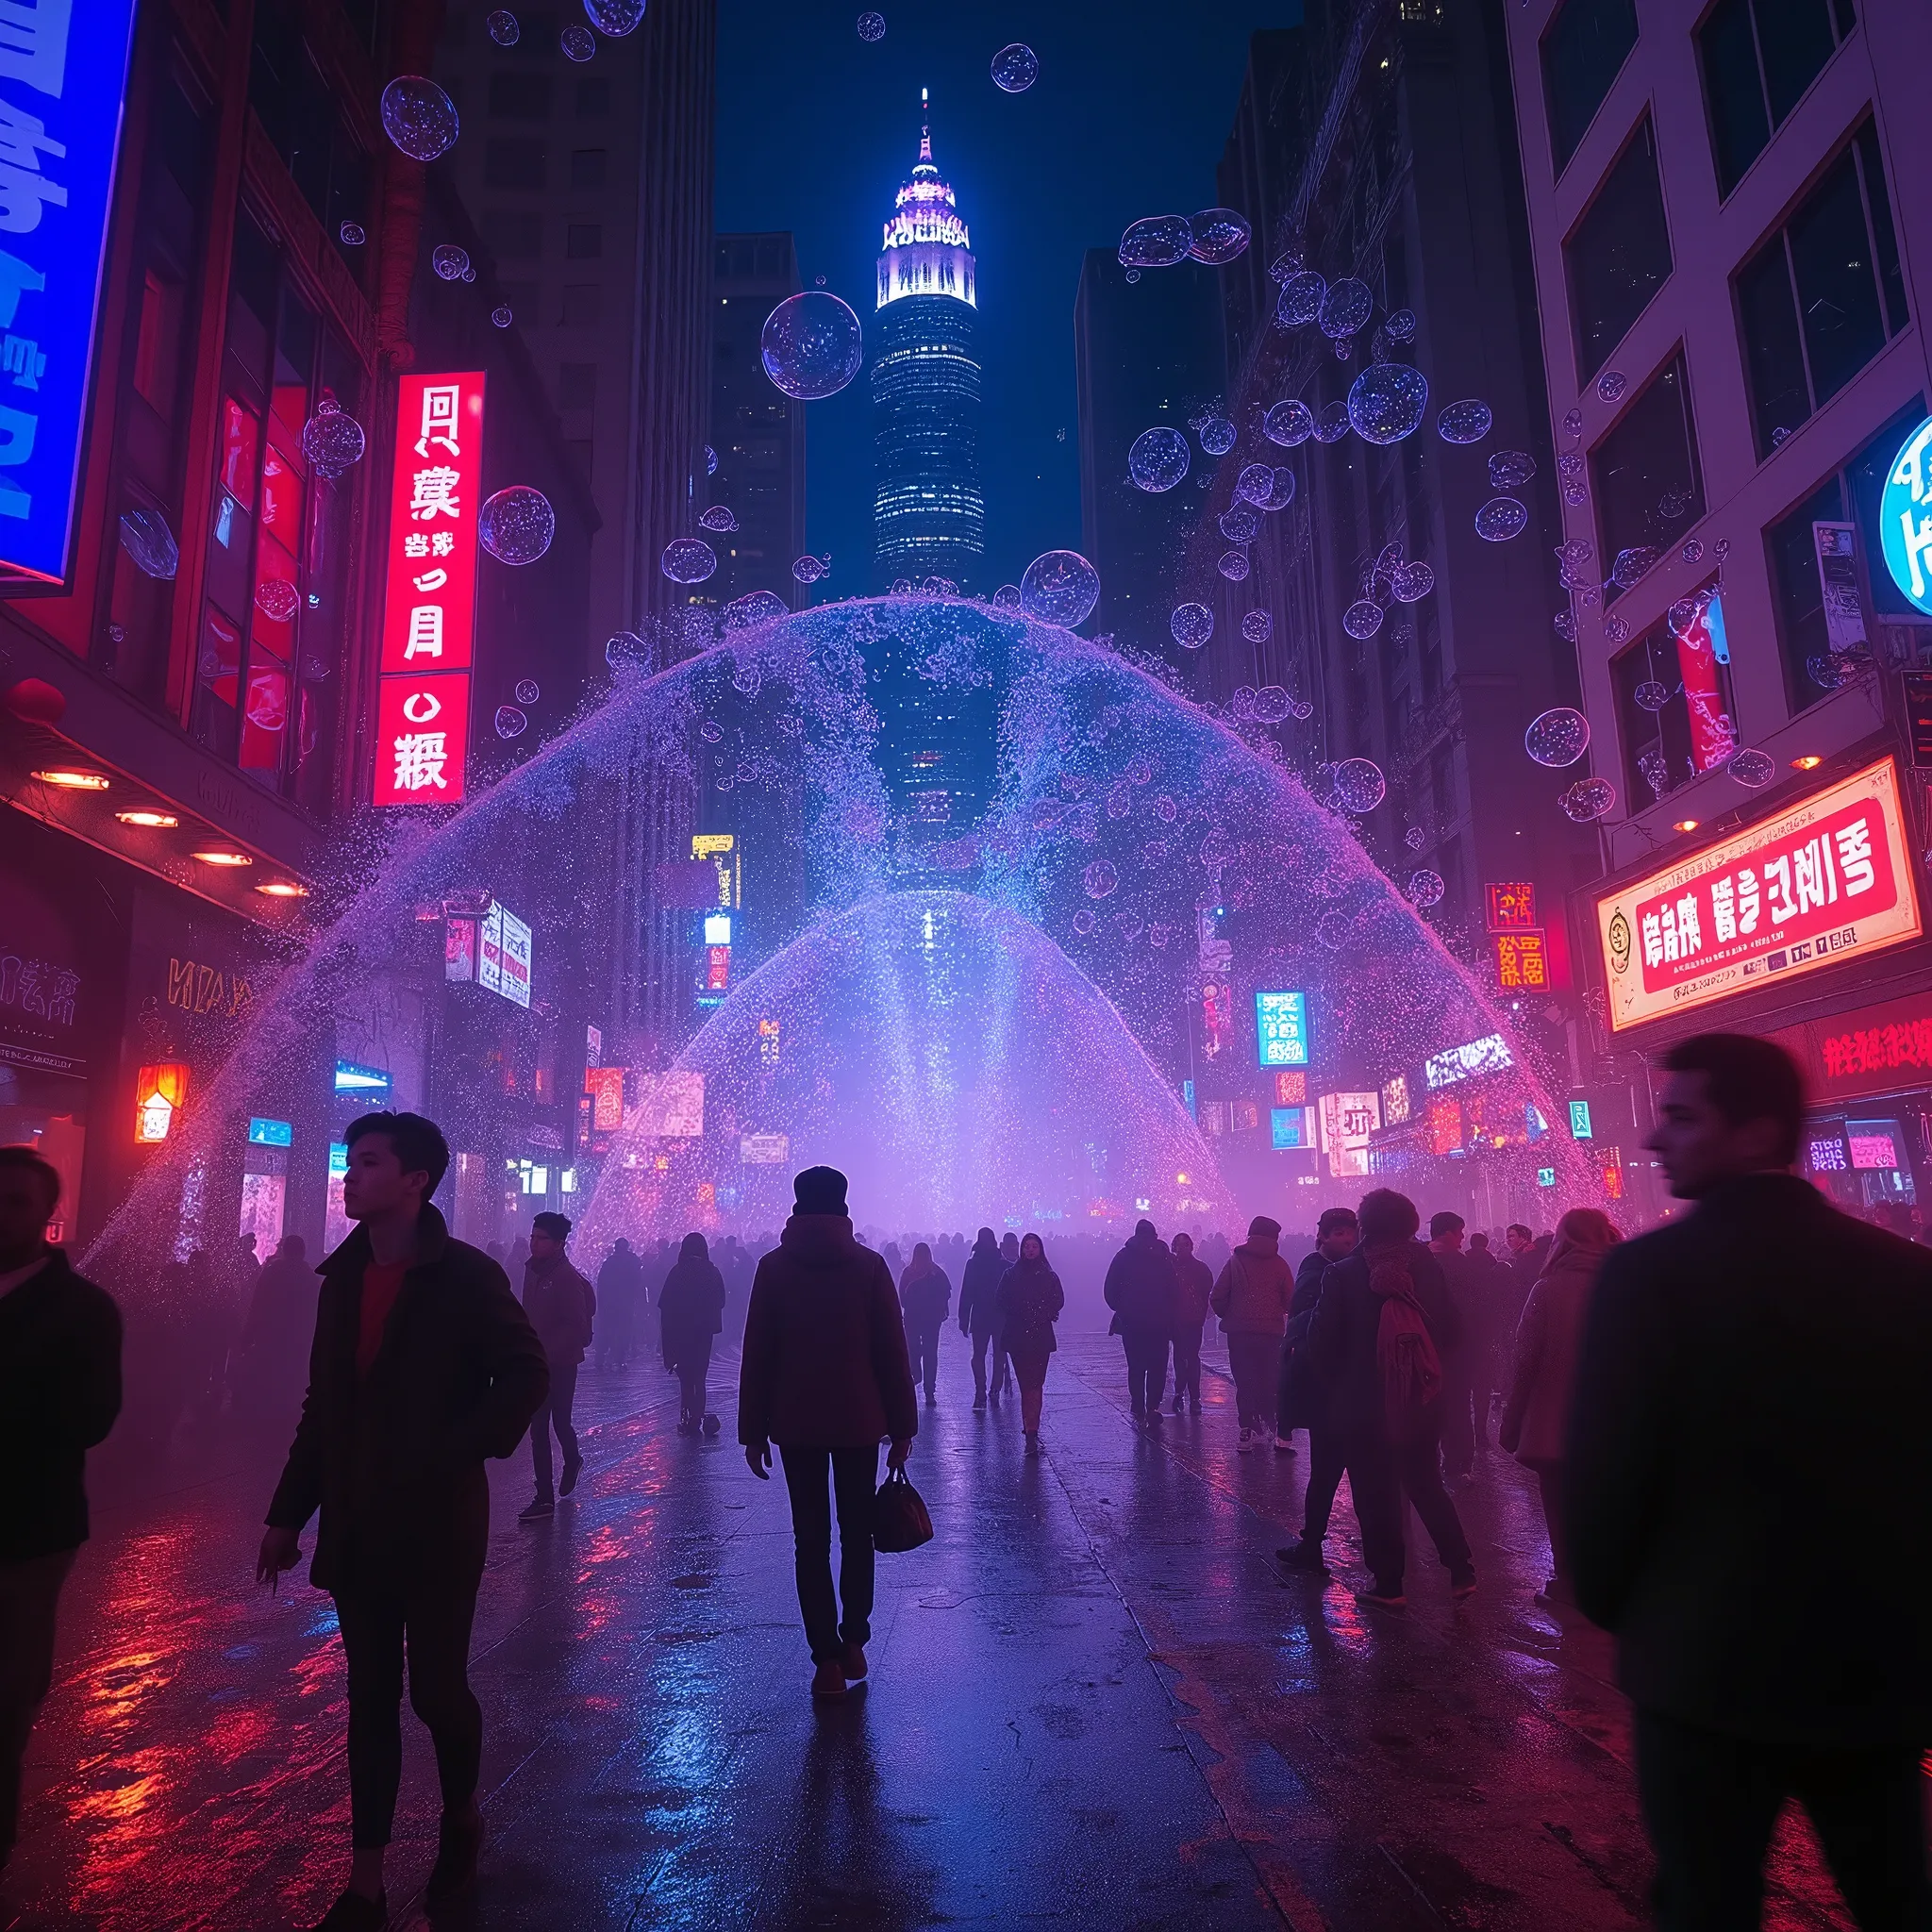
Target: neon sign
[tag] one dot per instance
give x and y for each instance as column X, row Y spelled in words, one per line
column 1905, row 518
column 1281, row 1028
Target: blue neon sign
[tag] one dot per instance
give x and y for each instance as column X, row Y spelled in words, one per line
column 61, row 97
column 1905, row 518
column 1286, row 1127
column 264, row 1133
column 1281, row 1028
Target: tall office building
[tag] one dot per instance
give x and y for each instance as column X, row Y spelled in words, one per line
column 758, row 432
column 929, row 514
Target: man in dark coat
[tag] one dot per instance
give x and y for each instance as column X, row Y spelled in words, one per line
column 979, row 1315
column 1194, row 1283
column 620, row 1295
column 1385, row 1455
column 59, row 1393
column 1752, row 1378
column 825, row 1376
column 1145, row 1299
column 423, row 1365
column 270, row 1367
column 1459, row 1376
column 1303, row 1403
column 563, row 1308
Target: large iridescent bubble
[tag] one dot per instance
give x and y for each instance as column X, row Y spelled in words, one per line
column 1191, row 624
column 1158, row 459
column 1465, row 421
column 1289, row 424
column 812, row 345
column 1059, row 587
column 1387, row 401
column 1557, row 737
column 1220, row 235
column 689, row 560
column 332, row 440
column 516, row 524
column 1346, row 307
column 418, row 117
column 872, row 26
column 1015, row 68
column 1500, row 519
column 1588, row 800
column 1157, row 242
column 1301, row 299
column 1359, row 785
column 1217, row 435
column 615, row 17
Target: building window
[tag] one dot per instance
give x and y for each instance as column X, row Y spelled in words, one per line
column 1823, row 296
column 513, row 161
column 583, row 304
column 1583, row 48
column 1619, row 256
column 513, row 234
column 576, row 385
column 1673, row 712
column 520, row 97
column 1849, row 495
column 1758, row 57
column 1646, row 477
column 593, row 99
column 583, row 240
column 587, row 166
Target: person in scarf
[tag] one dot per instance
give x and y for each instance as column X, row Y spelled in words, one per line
column 979, row 1315
column 563, row 1308
column 925, row 1295
column 1380, row 1325
column 1030, row 1300
column 691, row 1312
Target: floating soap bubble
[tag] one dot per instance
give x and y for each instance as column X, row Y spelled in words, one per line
column 1300, row 708
column 718, row 517
column 1557, row 737
column 1344, row 349
column 1400, row 327
column 511, row 723
column 812, row 345
column 1631, row 564
column 1570, row 464
column 1059, row 587
column 1572, row 422
column 1656, row 773
column 1359, row 785
column 352, row 234
column 1220, row 235
column 1256, row 483
column 1465, row 421
column 1140, row 771
column 1413, row 839
column 1289, row 424
column 1280, row 488
column 1615, row 630
column 1006, row 597
column 1331, row 425
column 1132, row 276
column 1233, row 566
column 688, row 560
column 1650, row 695
column 1588, row 800
column 1084, row 922
column 1753, row 768
column 278, row 599
column 1424, row 889
column 1409, row 583
column 627, row 651
column 1192, row 624
column 1015, row 68
column 1157, row 242
column 1100, row 879
column 1345, row 308
column 1217, row 436
column 1241, row 706
column 1683, row 615
column 711, row 455
column 1158, row 459
column 501, row 316
column 1721, row 549
column 1575, row 496
column 579, row 43
column 755, row 607
column 1237, row 523
column 449, row 261
column 807, row 570
column 615, row 17
column 1500, row 519
column 526, row 690
column 1362, row 619
column 1575, row 553
column 146, row 537
column 1510, row 469
column 1301, row 300
column 516, row 524
column 1270, row 705
column 1257, row 626
column 332, row 440
column 470, row 272
column 1386, row 402
column 1165, row 810
column 1565, row 626
column 1692, row 552
column 418, row 117
column 1674, row 505
column 872, row 26
column 504, row 29
column 1612, row 384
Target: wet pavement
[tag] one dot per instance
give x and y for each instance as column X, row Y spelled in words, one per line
column 1095, row 1701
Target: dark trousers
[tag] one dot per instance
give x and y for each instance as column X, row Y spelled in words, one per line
column 852, row 1478
column 980, row 1345
column 1327, row 1460
column 1379, row 1474
column 1187, row 1368
column 555, row 1411
column 430, row 1621
column 1459, row 1433
column 1710, row 1803
column 1549, row 1478
column 29, row 1598
column 922, row 1345
column 1146, row 1369
column 1256, row 1363
column 694, row 1366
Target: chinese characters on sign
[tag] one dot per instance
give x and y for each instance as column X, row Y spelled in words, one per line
column 1511, row 904
column 430, row 614
column 1281, row 1028
column 1347, row 1120
column 1291, row 1090
column 1905, row 518
column 503, row 958
column 1523, row 962
column 1828, row 877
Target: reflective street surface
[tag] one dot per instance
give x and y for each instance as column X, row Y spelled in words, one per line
column 1096, row 1702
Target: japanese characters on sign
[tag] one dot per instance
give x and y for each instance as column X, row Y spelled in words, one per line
column 1281, row 1028
column 61, row 96
column 1827, row 879
column 1905, row 518
column 429, row 613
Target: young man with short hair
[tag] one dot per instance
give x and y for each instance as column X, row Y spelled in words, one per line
column 423, row 1364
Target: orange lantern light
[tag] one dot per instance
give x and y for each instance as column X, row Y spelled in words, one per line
column 158, row 1095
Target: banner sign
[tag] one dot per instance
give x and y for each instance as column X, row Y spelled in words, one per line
column 1825, row 879
column 1347, row 1120
column 1881, row 1049
column 1905, row 518
column 1281, row 1028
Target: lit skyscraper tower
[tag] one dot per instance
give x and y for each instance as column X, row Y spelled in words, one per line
column 928, row 515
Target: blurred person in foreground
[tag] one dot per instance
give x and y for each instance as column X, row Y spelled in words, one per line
column 1753, row 1380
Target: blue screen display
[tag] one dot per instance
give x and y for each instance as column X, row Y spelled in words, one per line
column 63, row 81
column 1281, row 1028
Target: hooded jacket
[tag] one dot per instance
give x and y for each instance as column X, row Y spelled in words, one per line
column 979, row 1284
column 925, row 1295
column 561, row 1305
column 1141, row 1289
column 1256, row 1287
column 824, row 1362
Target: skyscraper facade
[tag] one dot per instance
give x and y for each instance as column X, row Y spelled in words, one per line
column 929, row 513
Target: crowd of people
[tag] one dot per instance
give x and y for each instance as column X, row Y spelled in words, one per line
column 1694, row 1405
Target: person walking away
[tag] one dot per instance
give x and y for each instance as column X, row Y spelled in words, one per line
column 1758, row 1364
column 1458, row 1379
column 620, row 1289
column 691, row 1312
column 423, row 1365
column 1380, row 1324
column 1031, row 1299
column 59, row 1393
column 925, row 1295
column 1141, row 1290
column 269, row 1369
column 1304, row 1400
column 979, row 1316
column 1491, row 1336
column 1194, row 1285
column 1538, row 1413
column 1009, row 1252
column 563, row 1308
column 1252, row 1298
column 824, row 1376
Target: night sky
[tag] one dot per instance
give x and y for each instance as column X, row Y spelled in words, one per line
column 817, row 129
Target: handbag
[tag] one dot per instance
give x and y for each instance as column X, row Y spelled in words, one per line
column 900, row 1520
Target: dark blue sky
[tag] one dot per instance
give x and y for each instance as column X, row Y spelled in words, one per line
column 816, row 130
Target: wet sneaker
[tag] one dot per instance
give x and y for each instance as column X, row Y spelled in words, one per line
column 352, row 1912
column 855, row 1665
column 1246, row 1442
column 1175, row 1406
column 1382, row 1599
column 1303, row 1555
column 979, row 1400
column 536, row 1510
column 1033, row 1443
column 1462, row 1581
column 572, row 1468
column 712, row 1425
column 828, row 1680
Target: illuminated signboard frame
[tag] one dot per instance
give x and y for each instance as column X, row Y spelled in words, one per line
column 65, row 80
column 1488, row 1055
column 1281, row 1028
column 430, row 607
column 1347, row 1122
column 1905, row 518
column 503, row 956
column 1800, row 873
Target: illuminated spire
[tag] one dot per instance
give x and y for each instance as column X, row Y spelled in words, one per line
column 927, row 250
column 924, row 126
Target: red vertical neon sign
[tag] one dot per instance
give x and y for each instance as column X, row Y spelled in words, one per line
column 430, row 611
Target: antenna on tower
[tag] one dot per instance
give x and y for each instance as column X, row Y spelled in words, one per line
column 924, row 126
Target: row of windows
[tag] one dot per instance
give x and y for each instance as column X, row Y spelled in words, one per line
column 516, row 234
column 524, row 161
